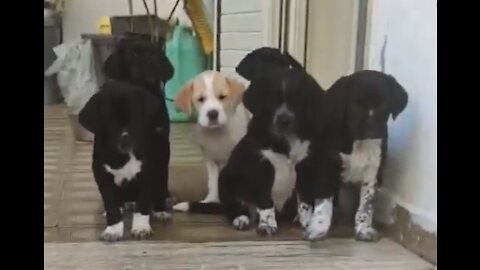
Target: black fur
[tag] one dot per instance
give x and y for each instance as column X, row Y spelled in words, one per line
column 129, row 115
column 346, row 109
column 263, row 60
column 248, row 177
column 357, row 107
column 139, row 61
column 119, row 107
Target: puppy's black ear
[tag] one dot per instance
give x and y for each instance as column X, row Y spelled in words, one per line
column 114, row 66
column 167, row 69
column 253, row 97
column 246, row 67
column 335, row 105
column 292, row 61
column 89, row 117
column 314, row 103
column 398, row 98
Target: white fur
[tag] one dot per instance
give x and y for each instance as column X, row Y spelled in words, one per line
column 211, row 103
column 217, row 143
column 305, row 213
column 241, row 222
column 213, row 170
column 362, row 164
column 321, row 220
column 127, row 172
column 113, row 232
column 162, row 216
column 141, row 225
column 285, row 175
column 266, row 220
column 181, row 207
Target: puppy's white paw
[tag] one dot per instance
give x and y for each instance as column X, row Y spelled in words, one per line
column 267, row 224
column 181, row 207
column 211, row 199
column 241, row 222
column 113, row 232
column 305, row 213
column 319, row 224
column 366, row 234
column 162, row 216
column 141, row 226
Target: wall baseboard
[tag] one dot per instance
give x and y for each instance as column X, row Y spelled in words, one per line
column 411, row 236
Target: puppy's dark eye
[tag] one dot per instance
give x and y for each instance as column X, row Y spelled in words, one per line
column 222, row 96
column 201, row 99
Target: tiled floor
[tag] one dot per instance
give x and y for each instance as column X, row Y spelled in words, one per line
column 73, row 222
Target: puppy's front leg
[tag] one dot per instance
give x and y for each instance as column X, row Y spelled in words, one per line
column 141, row 228
column 213, row 170
column 110, row 195
column 321, row 219
column 267, row 222
column 364, row 216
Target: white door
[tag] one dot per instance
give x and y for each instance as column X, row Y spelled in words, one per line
column 331, row 39
column 321, row 34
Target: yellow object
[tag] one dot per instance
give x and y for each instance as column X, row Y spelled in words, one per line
column 103, row 26
column 194, row 10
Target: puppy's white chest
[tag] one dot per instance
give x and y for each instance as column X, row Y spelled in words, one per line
column 127, row 172
column 285, row 175
column 363, row 163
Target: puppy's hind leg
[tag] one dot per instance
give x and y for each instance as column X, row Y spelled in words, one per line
column 162, row 208
column 236, row 211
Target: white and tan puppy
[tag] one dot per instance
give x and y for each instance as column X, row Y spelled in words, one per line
column 221, row 121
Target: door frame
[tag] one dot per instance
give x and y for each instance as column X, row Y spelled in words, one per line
column 286, row 27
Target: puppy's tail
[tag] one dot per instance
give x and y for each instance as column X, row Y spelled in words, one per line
column 199, row 207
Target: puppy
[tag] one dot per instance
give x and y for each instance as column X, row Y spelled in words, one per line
column 359, row 107
column 263, row 60
column 278, row 154
column 140, row 62
column 131, row 151
column 221, row 122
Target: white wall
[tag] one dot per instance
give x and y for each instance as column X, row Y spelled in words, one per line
column 241, row 30
column 410, row 30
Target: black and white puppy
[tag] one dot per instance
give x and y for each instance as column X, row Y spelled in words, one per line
column 264, row 59
column 359, row 106
column 131, row 151
column 266, row 166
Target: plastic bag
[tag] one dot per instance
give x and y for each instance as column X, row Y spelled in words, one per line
column 76, row 75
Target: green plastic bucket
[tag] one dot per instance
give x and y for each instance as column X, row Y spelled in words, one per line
column 185, row 53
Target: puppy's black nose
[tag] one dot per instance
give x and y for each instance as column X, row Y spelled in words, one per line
column 212, row 115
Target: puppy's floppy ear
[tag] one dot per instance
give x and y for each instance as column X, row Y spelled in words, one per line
column 167, row 69
column 246, row 67
column 292, row 61
column 183, row 99
column 314, row 102
column 398, row 97
column 89, row 117
column 253, row 98
column 237, row 89
column 335, row 105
